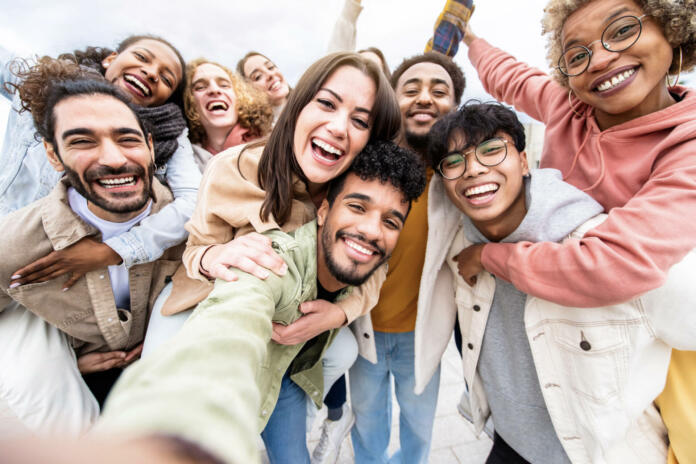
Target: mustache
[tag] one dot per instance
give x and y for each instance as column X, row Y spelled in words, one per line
column 381, row 251
column 100, row 171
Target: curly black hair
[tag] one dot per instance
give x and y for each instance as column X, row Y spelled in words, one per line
column 452, row 68
column 387, row 162
column 474, row 122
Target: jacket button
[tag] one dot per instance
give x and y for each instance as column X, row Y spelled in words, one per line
column 477, row 308
column 470, row 346
column 585, row 345
column 366, row 335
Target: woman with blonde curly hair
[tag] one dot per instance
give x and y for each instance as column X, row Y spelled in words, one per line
column 222, row 109
column 619, row 127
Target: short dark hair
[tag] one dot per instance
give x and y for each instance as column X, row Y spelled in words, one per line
column 387, row 162
column 60, row 90
column 454, row 71
column 476, row 122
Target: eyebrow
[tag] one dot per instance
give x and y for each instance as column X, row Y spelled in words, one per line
column 435, row 80
column 609, row 19
column 338, row 97
column 367, row 199
column 86, row 131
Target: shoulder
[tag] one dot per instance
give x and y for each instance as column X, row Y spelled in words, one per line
column 23, row 238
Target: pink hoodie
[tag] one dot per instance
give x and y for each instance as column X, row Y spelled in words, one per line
column 643, row 172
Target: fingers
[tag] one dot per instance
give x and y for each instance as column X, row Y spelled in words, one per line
column 254, row 247
column 134, row 354
column 72, row 280
column 220, row 271
column 95, row 362
column 36, row 266
column 42, row 275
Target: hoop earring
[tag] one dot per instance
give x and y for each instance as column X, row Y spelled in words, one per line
column 676, row 80
column 570, row 103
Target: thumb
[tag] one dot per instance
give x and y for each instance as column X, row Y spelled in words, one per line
column 308, row 307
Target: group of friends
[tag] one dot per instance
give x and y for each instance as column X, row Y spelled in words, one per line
column 195, row 256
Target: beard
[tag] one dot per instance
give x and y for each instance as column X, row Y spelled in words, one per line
column 418, row 142
column 349, row 274
column 127, row 203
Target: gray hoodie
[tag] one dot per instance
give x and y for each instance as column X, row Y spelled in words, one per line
column 506, row 367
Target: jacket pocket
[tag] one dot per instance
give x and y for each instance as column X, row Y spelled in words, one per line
column 594, row 357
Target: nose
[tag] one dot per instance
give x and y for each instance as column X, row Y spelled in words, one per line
column 338, row 125
column 213, row 88
column 424, row 98
column 110, row 155
column 370, row 226
column 150, row 72
column 473, row 167
column 601, row 58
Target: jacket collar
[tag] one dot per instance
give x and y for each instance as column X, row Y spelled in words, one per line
column 64, row 227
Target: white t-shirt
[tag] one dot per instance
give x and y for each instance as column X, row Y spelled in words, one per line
column 118, row 273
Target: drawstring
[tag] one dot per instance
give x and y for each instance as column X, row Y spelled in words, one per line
column 577, row 155
column 601, row 166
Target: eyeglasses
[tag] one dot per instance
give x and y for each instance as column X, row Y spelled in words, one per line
column 488, row 153
column 618, row 36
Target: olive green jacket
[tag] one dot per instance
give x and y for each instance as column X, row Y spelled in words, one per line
column 221, row 372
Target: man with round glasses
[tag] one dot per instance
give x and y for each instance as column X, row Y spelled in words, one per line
column 562, row 384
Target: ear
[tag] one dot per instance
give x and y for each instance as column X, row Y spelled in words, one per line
column 524, row 163
column 106, row 62
column 53, row 157
column 151, row 146
column 322, row 212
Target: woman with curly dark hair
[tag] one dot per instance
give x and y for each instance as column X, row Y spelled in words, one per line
column 150, row 71
column 620, row 127
column 222, row 109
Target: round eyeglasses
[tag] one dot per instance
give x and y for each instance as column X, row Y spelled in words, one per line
column 618, row 36
column 488, row 153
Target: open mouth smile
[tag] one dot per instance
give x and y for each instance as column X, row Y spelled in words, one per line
column 481, row 194
column 275, row 85
column 618, row 80
column 217, row 106
column 325, row 153
column 117, row 183
column 359, row 252
column 138, row 86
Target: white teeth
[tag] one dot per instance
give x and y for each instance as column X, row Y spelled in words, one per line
column 326, row 147
column 136, row 82
column 117, row 182
column 274, row 86
column 218, row 105
column 359, row 248
column 616, row 80
column 479, row 189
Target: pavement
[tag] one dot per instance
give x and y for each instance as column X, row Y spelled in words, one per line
column 453, row 440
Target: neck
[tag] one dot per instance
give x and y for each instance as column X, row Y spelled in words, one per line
column 500, row 227
column 109, row 216
column 656, row 101
column 317, row 192
column 215, row 139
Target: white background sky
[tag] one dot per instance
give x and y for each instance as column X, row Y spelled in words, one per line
column 293, row 33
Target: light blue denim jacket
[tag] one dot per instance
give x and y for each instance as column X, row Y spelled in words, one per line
column 26, row 176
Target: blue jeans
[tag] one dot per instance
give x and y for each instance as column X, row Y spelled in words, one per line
column 370, row 392
column 285, row 434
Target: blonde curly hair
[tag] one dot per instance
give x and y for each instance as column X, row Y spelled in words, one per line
column 677, row 18
column 253, row 110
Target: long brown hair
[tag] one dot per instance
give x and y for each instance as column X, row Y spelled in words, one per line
column 278, row 161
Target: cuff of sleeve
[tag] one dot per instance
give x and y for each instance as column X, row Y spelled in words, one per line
column 192, row 262
column 351, row 10
column 494, row 257
column 129, row 249
column 352, row 307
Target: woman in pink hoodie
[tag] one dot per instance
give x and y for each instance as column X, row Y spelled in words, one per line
column 618, row 128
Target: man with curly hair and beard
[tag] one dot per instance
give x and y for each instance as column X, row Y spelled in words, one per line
column 357, row 227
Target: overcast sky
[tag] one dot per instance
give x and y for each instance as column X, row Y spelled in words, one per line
column 292, row 33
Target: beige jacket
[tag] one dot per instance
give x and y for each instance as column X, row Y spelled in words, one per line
column 229, row 202
column 87, row 312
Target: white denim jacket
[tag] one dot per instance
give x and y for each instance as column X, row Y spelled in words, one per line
column 599, row 368
column 26, row 176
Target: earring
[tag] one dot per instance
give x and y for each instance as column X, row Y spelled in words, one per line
column 676, row 80
column 570, row 103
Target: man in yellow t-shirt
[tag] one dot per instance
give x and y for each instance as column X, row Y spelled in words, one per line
column 427, row 87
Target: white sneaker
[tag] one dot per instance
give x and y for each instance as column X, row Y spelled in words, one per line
column 332, row 435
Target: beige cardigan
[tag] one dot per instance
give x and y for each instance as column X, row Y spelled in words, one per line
column 228, row 206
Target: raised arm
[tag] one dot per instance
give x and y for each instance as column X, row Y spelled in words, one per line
column 450, row 27
column 343, row 34
column 627, row 255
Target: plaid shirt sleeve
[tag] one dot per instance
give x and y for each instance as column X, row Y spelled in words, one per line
column 450, row 26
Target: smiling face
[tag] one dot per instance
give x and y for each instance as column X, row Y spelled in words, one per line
column 358, row 231
column 491, row 196
column 149, row 71
column 104, row 153
column 425, row 93
column 335, row 125
column 214, row 97
column 632, row 82
column 265, row 76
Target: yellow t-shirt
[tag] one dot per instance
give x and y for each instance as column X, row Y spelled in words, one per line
column 396, row 310
column 677, row 404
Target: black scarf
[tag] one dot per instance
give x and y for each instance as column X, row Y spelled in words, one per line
column 166, row 123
